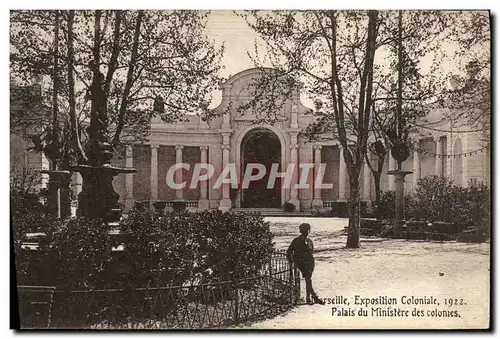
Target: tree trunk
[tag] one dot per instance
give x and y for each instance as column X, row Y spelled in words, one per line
column 377, row 173
column 113, row 62
column 354, row 213
column 75, row 133
column 399, row 103
column 55, row 75
column 365, row 104
column 96, row 99
column 129, row 82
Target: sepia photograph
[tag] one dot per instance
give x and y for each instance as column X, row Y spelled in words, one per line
column 250, row 169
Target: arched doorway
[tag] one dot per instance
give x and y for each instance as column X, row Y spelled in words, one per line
column 457, row 169
column 262, row 146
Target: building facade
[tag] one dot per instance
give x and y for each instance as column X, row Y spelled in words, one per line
column 234, row 138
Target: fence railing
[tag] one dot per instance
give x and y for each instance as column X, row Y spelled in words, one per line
column 275, row 289
column 328, row 204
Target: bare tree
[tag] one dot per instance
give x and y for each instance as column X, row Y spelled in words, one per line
column 470, row 95
column 333, row 51
column 402, row 91
column 143, row 56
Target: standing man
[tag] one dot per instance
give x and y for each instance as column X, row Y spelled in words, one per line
column 300, row 252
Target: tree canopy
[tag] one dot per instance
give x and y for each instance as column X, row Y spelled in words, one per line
column 143, row 56
column 357, row 74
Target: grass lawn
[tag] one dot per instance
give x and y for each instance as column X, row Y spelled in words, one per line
column 388, row 268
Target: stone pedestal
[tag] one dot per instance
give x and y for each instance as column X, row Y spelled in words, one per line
column 239, row 193
column 399, row 184
column 296, row 202
column 294, row 157
column 129, row 180
column 59, row 193
column 203, row 204
column 225, row 204
column 98, row 198
column 317, row 199
column 317, row 203
column 160, row 206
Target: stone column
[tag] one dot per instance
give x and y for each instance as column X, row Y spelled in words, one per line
column 294, row 121
column 416, row 168
column 465, row 161
column 203, row 202
column 342, row 175
column 392, row 167
column 486, row 166
column 225, row 203
column 449, row 156
column 76, row 187
column 317, row 200
column 367, row 175
column 400, row 194
column 179, row 193
column 294, row 194
column 295, row 106
column 226, row 99
column 438, row 168
column 154, row 174
column 129, row 179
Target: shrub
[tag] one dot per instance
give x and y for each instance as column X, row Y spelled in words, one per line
column 81, row 254
column 437, row 199
column 432, row 199
column 141, row 205
column 340, row 209
column 33, row 266
column 364, row 210
column 387, row 210
column 179, row 205
column 289, row 207
column 472, row 235
column 179, row 246
column 70, row 255
column 28, row 215
column 370, row 227
column 160, row 205
column 160, row 249
column 389, row 230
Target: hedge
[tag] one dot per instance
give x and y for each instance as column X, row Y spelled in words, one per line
column 160, row 249
column 436, row 200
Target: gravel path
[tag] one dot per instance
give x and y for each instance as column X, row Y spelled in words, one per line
column 392, row 268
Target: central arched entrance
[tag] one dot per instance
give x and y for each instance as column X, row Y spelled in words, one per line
column 261, row 145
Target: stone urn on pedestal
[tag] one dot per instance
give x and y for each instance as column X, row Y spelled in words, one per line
column 98, row 198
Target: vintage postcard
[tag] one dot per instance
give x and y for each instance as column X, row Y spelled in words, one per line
column 274, row 169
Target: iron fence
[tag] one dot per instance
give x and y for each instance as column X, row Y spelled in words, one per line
column 218, row 304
